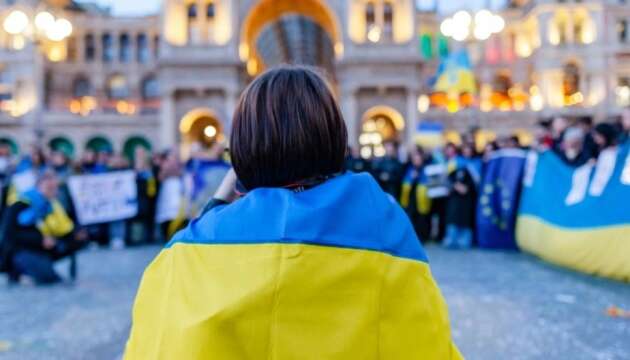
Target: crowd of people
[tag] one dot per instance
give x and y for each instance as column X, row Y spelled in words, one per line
column 436, row 187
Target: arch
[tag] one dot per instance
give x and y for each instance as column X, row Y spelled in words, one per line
column 195, row 127
column 150, row 87
column 267, row 11
column 379, row 125
column 132, row 143
column 393, row 114
column 63, row 145
column 13, row 146
column 81, row 87
column 117, row 87
column 99, row 143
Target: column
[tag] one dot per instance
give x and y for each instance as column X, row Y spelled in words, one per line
column 412, row 115
column 349, row 110
column 167, row 132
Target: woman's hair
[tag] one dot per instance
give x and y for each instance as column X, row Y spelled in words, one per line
column 287, row 128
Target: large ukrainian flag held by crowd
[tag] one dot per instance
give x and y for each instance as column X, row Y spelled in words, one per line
column 579, row 218
column 334, row 272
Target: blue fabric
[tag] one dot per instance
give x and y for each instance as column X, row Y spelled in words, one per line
column 458, row 237
column 39, row 207
column 552, row 182
column 498, row 199
column 349, row 211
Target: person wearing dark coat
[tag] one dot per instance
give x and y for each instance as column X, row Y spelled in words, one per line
column 36, row 232
column 355, row 163
column 389, row 171
column 414, row 197
column 460, row 210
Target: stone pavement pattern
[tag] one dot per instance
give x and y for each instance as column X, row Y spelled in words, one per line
column 502, row 305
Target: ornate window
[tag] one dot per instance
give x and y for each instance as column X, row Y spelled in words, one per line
column 142, row 48
column 108, row 47
column 125, row 48
column 90, row 47
column 81, row 87
column 150, row 88
column 118, row 87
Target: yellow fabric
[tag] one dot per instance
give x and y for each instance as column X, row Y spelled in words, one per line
column 12, row 195
column 423, row 199
column 57, row 223
column 404, row 195
column 151, row 187
column 175, row 224
column 601, row 251
column 280, row 301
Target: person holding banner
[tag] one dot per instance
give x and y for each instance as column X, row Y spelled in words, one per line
column 312, row 262
column 36, row 232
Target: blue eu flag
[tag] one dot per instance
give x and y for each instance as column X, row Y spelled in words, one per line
column 498, row 199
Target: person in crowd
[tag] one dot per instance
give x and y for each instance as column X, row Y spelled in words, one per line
column 414, row 196
column 589, row 147
column 356, row 163
column 307, row 246
column 101, row 165
column 88, row 162
column 460, row 209
column 472, row 161
column 605, row 136
column 488, row 150
column 37, row 232
column 543, row 137
column 6, row 168
column 388, row 170
column 559, row 124
column 140, row 228
column 572, row 147
column 171, row 209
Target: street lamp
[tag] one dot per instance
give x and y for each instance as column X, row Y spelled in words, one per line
column 43, row 26
column 46, row 31
column 481, row 26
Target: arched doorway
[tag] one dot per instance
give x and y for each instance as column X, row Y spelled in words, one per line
column 200, row 128
column 12, row 145
column 99, row 144
column 63, row 145
column 289, row 31
column 379, row 125
column 132, row 143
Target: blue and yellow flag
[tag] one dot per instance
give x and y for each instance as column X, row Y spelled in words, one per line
column 334, row 272
column 578, row 217
column 455, row 75
column 498, row 199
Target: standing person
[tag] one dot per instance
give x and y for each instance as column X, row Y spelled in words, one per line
column 414, row 196
column 6, row 168
column 37, row 232
column 311, row 263
column 460, row 209
column 388, row 170
column 355, row 163
column 605, row 136
column 171, row 213
column 140, row 228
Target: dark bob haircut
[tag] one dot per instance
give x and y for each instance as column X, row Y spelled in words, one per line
column 287, row 128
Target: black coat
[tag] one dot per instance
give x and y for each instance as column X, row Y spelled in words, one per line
column 460, row 208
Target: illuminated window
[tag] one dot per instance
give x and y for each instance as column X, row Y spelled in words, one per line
column 72, row 49
column 370, row 14
column 192, row 11
column 622, row 30
column 81, row 87
column 142, row 48
column 210, row 11
column 118, row 87
column 150, row 88
column 108, row 47
column 571, row 84
column 125, row 48
column 90, row 47
column 622, row 91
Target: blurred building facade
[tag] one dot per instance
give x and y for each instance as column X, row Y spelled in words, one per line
column 174, row 78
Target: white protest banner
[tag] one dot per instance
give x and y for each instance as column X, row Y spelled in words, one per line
column 102, row 198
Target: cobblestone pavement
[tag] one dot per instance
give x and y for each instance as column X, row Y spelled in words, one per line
column 502, row 305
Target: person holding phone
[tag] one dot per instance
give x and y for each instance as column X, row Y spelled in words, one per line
column 306, row 262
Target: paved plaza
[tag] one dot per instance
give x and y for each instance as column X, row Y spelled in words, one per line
column 503, row 306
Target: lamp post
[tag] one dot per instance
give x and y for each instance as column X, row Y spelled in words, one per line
column 41, row 28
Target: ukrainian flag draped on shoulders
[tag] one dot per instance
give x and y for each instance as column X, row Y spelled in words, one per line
column 334, row 272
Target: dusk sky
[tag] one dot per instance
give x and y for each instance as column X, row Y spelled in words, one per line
column 143, row 7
